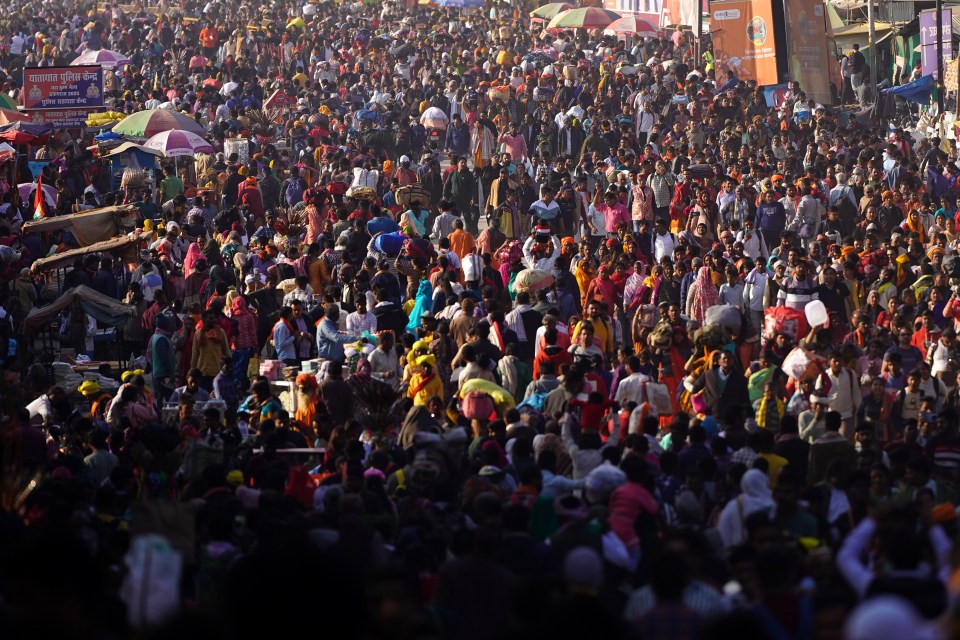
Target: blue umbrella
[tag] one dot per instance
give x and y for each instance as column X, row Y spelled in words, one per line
column 108, row 135
column 459, row 4
column 367, row 115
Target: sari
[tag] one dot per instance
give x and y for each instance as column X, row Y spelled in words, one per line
column 584, row 274
column 193, row 253
column 705, row 296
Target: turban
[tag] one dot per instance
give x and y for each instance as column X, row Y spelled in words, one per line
column 89, row 388
column 430, row 360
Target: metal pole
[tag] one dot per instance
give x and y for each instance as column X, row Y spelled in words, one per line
column 940, row 57
column 871, row 40
column 699, row 50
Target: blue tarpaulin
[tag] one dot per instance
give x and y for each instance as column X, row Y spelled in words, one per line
column 917, row 91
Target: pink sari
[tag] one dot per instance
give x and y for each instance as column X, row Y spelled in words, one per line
column 707, row 294
column 193, row 252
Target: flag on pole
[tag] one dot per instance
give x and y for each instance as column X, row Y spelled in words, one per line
column 38, row 211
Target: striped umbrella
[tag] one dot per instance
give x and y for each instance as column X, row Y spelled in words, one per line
column 145, row 124
column 178, row 143
column 103, row 57
column 583, row 18
column 632, row 24
column 548, row 11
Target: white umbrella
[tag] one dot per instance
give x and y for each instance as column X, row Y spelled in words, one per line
column 228, row 88
column 434, row 118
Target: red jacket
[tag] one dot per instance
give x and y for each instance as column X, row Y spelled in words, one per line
column 248, row 193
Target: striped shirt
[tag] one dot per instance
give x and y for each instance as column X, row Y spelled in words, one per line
column 797, row 294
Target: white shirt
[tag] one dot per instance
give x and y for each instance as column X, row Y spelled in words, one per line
column 16, row 45
column 752, row 246
column 664, row 245
column 365, row 177
column 543, row 264
column 632, row 389
column 754, row 286
column 357, row 324
column 844, row 395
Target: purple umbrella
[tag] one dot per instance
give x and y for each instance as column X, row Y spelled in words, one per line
column 178, row 143
column 102, row 57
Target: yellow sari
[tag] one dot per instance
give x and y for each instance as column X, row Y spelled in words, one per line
column 584, row 276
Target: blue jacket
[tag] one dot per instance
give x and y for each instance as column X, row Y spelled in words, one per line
column 458, row 139
column 330, row 341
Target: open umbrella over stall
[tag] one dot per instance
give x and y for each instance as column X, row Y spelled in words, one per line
column 631, row 24
column 583, row 18
column 145, row 124
column 548, row 11
column 49, row 192
column 102, row 57
column 178, row 143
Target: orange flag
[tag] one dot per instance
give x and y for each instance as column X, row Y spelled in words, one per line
column 38, row 211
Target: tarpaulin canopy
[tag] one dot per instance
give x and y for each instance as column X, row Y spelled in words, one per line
column 104, row 309
column 133, row 146
column 917, row 91
column 24, row 133
column 67, row 257
column 88, row 227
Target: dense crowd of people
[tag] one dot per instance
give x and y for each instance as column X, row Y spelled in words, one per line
column 579, row 335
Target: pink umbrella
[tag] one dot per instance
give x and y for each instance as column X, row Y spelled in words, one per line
column 144, row 124
column 103, row 57
column 49, row 192
column 631, row 24
column 178, row 143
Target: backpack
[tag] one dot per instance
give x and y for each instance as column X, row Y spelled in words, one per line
column 476, row 405
column 294, row 190
column 848, row 212
column 337, row 187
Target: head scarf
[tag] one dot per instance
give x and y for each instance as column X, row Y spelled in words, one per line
column 430, row 360
column 756, row 494
column 190, row 260
column 706, row 294
column 755, row 497
column 307, row 380
column 216, row 274
column 238, row 307
column 211, row 251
